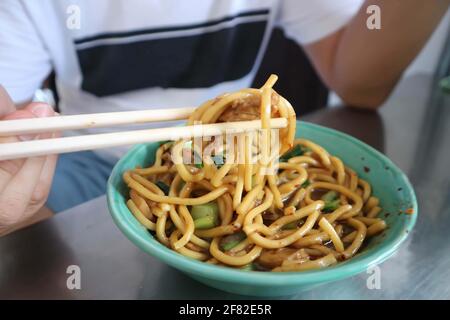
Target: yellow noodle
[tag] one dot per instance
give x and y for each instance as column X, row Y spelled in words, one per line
column 361, row 230
column 373, row 212
column 328, row 228
column 356, row 207
column 298, row 196
column 304, row 160
column 275, row 191
column 367, row 190
column 322, row 177
column 273, row 244
column 312, row 239
column 339, row 169
column 353, row 179
column 372, row 230
column 233, row 260
column 176, row 200
column 326, row 261
column 321, row 152
column 239, row 187
column 141, row 204
column 152, row 170
column 249, row 199
column 216, row 232
column 248, row 172
column 185, row 251
column 161, row 230
column 295, row 183
column 140, row 216
column 336, row 214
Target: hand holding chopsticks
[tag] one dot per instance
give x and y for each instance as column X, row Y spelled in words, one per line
column 105, row 140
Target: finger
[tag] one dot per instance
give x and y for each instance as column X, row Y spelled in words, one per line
column 16, row 196
column 42, row 189
column 40, row 109
column 20, row 178
column 33, row 110
column 19, row 114
column 45, row 181
column 9, row 168
column 6, row 104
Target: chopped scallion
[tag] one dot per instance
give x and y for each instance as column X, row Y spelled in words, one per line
column 296, row 151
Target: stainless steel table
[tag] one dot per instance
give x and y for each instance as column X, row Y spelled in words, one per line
column 413, row 129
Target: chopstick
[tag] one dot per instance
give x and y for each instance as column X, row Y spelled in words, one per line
column 93, row 120
column 105, row 140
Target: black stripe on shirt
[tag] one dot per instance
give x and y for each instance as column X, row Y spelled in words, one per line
column 110, row 35
column 194, row 61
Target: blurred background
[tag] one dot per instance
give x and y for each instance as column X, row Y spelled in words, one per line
column 431, row 58
column 286, row 58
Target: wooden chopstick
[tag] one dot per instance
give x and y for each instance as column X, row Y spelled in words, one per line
column 105, row 140
column 93, row 120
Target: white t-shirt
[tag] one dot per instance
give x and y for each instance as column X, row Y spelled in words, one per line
column 135, row 54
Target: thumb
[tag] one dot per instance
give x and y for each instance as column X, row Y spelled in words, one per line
column 6, row 104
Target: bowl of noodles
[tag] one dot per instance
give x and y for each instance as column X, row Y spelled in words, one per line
column 284, row 211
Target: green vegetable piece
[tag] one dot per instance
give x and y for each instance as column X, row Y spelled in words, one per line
column 330, row 196
column 306, row 183
column 206, row 222
column 296, row 151
column 330, row 206
column 290, row 226
column 204, row 210
column 331, row 201
column 247, row 267
column 164, row 187
column 231, row 241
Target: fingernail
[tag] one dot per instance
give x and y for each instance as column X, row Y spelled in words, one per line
column 26, row 137
column 41, row 110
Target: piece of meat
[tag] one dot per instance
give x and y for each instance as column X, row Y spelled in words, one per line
column 247, row 109
column 241, row 110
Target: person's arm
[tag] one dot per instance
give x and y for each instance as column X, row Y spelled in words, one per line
column 364, row 65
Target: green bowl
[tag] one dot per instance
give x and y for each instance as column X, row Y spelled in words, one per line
column 389, row 184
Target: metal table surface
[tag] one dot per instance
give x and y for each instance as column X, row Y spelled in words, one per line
column 413, row 129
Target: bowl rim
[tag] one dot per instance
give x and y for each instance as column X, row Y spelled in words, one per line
column 339, row 271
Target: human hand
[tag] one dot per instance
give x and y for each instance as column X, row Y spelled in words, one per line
column 24, row 183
